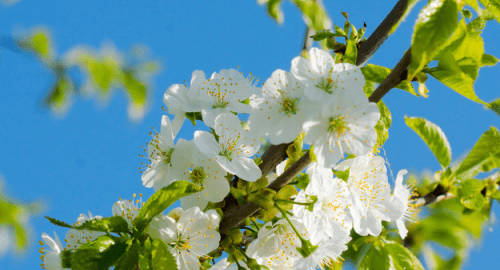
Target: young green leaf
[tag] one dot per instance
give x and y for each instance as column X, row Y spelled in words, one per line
column 274, row 10
column 383, row 125
column 315, row 14
column 488, row 60
column 474, row 201
column 162, row 199
column 487, row 145
column 377, row 74
column 450, row 73
column 162, row 259
column 136, row 90
column 58, row 222
column 495, row 106
column 435, row 24
column 402, row 258
column 116, row 224
column 433, row 136
column 351, row 52
column 101, row 253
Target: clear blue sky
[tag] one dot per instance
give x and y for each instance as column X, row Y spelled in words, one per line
column 86, row 160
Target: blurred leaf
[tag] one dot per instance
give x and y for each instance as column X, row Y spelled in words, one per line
column 162, row 199
column 472, row 186
column 60, row 94
column 473, row 201
column 435, row 24
column 102, row 71
column 137, row 90
column 433, row 136
column 382, row 126
column 402, row 258
column 375, row 258
column 409, row 7
column 162, row 259
column 377, row 74
column 487, row 145
column 493, row 162
column 274, row 10
column 472, row 3
column 450, row 73
column 493, row 6
column 38, row 42
column 315, row 14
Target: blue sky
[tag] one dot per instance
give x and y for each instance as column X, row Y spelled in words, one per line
column 89, row 158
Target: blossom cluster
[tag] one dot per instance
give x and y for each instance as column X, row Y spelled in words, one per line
column 318, row 99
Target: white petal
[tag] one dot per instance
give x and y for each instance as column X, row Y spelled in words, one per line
column 206, row 143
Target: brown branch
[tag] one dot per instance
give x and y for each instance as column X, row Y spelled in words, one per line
column 234, row 217
column 439, row 193
column 371, row 45
column 394, row 78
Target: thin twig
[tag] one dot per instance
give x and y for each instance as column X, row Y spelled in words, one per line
column 371, row 45
column 393, row 79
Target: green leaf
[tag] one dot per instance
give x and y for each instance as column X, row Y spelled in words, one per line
column 488, row 60
column 339, row 31
column 493, row 162
column 495, row 106
column 162, row 259
column 377, row 74
column 472, row 3
column 375, row 258
column 58, row 222
column 487, row 145
column 433, row 136
column 59, row 94
column 402, row 258
column 471, row 186
column 38, row 42
column 274, row 10
column 383, row 125
column 101, row 253
column 145, row 255
column 162, row 199
column 136, row 90
column 130, row 258
column 323, row 34
column 116, row 224
column 493, row 6
column 102, row 72
column 409, row 7
column 449, row 72
column 435, row 24
column 473, row 201
column 351, row 52
column 314, row 14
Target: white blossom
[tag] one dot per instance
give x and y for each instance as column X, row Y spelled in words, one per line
column 190, row 238
column 75, row 238
column 128, row 209
column 283, row 109
column 51, row 258
column 325, row 254
column 234, row 149
column 403, row 194
column 370, row 194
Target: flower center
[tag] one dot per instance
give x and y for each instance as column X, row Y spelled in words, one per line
column 288, row 105
column 327, row 84
column 220, row 103
column 228, row 148
column 198, row 176
column 338, row 125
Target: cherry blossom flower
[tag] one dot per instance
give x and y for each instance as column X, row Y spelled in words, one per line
column 179, row 99
column 370, row 194
column 323, row 78
column 344, row 126
column 129, row 209
column 409, row 209
column 196, row 167
column 225, row 92
column 234, row 148
column 190, row 238
column 325, row 254
column 160, row 150
column 283, row 109
column 329, row 215
column 51, row 258
column 275, row 246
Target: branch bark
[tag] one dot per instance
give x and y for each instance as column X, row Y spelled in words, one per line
column 394, row 78
column 371, row 45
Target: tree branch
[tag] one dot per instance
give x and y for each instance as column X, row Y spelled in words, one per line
column 234, row 217
column 371, row 45
column 438, row 194
column 394, row 78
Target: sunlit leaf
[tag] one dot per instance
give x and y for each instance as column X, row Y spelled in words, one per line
column 375, row 258
column 473, row 201
column 162, row 259
column 316, row 15
column 351, row 52
column 487, row 145
column 162, row 199
column 488, row 60
column 495, row 106
column 377, row 74
column 402, row 258
column 433, row 136
column 435, row 24
column 98, row 254
column 382, row 126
